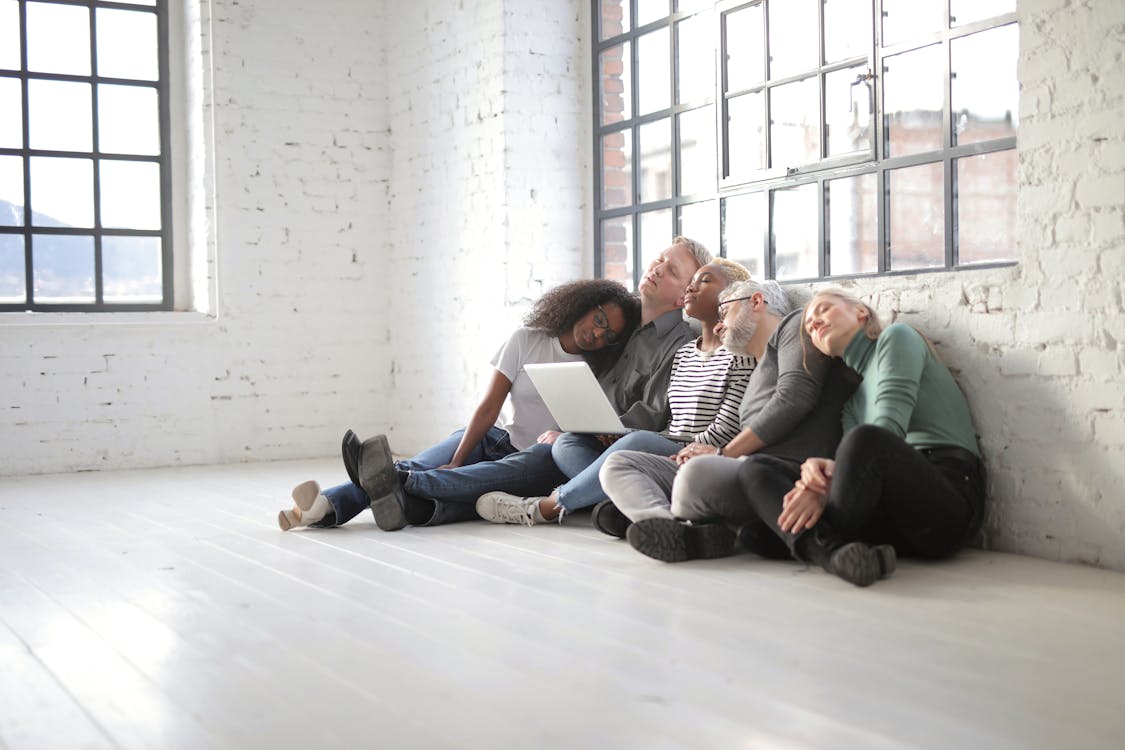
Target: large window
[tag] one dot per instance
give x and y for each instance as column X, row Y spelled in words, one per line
column 84, row 176
column 807, row 138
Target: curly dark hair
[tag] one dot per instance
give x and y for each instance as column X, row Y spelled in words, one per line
column 562, row 307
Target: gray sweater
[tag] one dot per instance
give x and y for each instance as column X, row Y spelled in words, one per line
column 796, row 411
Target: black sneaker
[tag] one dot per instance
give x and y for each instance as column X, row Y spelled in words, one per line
column 675, row 541
column 862, row 565
column 608, row 519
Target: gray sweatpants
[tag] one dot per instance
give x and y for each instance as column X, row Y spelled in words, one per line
column 706, row 488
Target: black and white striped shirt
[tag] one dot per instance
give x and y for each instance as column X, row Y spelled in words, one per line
column 705, row 392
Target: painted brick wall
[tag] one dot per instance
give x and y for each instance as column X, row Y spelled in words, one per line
column 300, row 167
column 488, row 111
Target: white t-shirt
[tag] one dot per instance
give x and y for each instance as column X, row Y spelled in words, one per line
column 527, row 417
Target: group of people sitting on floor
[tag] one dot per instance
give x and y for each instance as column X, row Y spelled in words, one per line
column 812, row 433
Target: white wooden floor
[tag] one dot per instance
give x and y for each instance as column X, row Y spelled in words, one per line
column 164, row 609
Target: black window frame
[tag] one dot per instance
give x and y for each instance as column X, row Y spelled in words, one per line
column 778, row 177
column 96, row 156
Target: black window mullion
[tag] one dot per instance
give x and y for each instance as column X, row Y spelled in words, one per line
column 28, row 269
column 164, row 106
column 99, row 287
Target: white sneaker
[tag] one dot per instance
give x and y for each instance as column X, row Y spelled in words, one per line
column 501, row 507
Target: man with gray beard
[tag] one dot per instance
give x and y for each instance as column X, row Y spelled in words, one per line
column 690, row 507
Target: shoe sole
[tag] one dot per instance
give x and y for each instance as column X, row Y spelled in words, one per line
column 388, row 512
column 285, row 521
column 350, row 465
column 305, row 494
column 861, row 565
column 672, row 541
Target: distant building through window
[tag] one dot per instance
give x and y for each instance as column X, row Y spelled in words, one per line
column 807, row 138
column 85, row 216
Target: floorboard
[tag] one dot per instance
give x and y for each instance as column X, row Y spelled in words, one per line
column 164, row 609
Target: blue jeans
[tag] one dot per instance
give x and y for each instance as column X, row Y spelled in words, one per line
column 584, row 488
column 437, row 496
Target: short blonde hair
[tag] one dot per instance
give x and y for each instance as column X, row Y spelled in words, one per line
column 732, row 270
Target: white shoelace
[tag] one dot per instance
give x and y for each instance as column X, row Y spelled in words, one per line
column 515, row 511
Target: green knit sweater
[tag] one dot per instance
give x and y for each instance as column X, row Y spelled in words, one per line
column 906, row 390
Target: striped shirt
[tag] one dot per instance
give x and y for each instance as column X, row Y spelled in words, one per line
column 705, row 392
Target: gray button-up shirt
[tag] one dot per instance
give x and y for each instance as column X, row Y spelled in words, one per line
column 637, row 384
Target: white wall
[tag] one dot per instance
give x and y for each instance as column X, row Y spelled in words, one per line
column 301, row 157
column 389, row 174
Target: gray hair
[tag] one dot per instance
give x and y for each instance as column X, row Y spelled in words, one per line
column 777, row 301
column 696, row 248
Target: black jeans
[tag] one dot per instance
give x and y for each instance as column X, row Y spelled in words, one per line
column 927, row 503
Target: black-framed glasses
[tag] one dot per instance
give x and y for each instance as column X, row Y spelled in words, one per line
column 601, row 321
column 723, row 312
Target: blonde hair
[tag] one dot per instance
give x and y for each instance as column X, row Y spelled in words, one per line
column 702, row 255
column 872, row 327
column 732, row 270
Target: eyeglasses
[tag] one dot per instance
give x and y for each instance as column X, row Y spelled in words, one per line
column 601, row 321
column 722, row 312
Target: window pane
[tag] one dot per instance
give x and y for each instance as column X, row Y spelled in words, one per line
column 12, row 271
column 130, row 194
column 986, row 207
column 656, row 233
column 128, row 120
column 745, row 35
column 11, row 113
column 62, row 192
column 746, row 138
column 745, row 226
column 62, row 268
column 916, row 217
column 651, row 10
column 617, row 88
column 795, row 228
column 131, row 269
column 847, row 111
column 58, row 38
column 615, row 17
column 695, row 56
column 617, row 250
column 59, row 116
column 688, row 6
column 907, row 19
column 966, row 11
column 913, row 101
column 697, row 151
column 654, row 68
column 11, row 191
column 127, row 44
column 853, row 231
column 700, row 221
column 847, row 29
column 656, row 161
column 793, row 37
column 794, row 123
column 9, row 35
column 617, row 169
column 985, row 96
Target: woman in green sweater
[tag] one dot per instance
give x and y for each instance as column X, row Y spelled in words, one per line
column 907, row 474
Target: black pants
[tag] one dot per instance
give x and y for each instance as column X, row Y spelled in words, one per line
column 927, row 503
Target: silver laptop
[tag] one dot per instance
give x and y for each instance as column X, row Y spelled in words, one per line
column 577, row 401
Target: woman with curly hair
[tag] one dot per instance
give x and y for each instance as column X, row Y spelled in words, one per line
column 582, row 320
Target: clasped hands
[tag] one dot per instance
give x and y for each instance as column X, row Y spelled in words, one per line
column 803, row 505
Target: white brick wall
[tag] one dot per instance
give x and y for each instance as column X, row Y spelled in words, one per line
column 396, row 181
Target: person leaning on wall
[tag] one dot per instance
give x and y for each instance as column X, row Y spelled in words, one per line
column 582, row 320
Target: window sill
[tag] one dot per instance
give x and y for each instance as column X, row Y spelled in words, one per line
column 94, row 320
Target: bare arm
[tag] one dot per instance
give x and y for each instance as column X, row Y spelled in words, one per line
column 483, row 418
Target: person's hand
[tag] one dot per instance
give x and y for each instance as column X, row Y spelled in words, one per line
column 549, row 437
column 691, row 450
column 802, row 507
column 816, row 474
column 607, row 440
